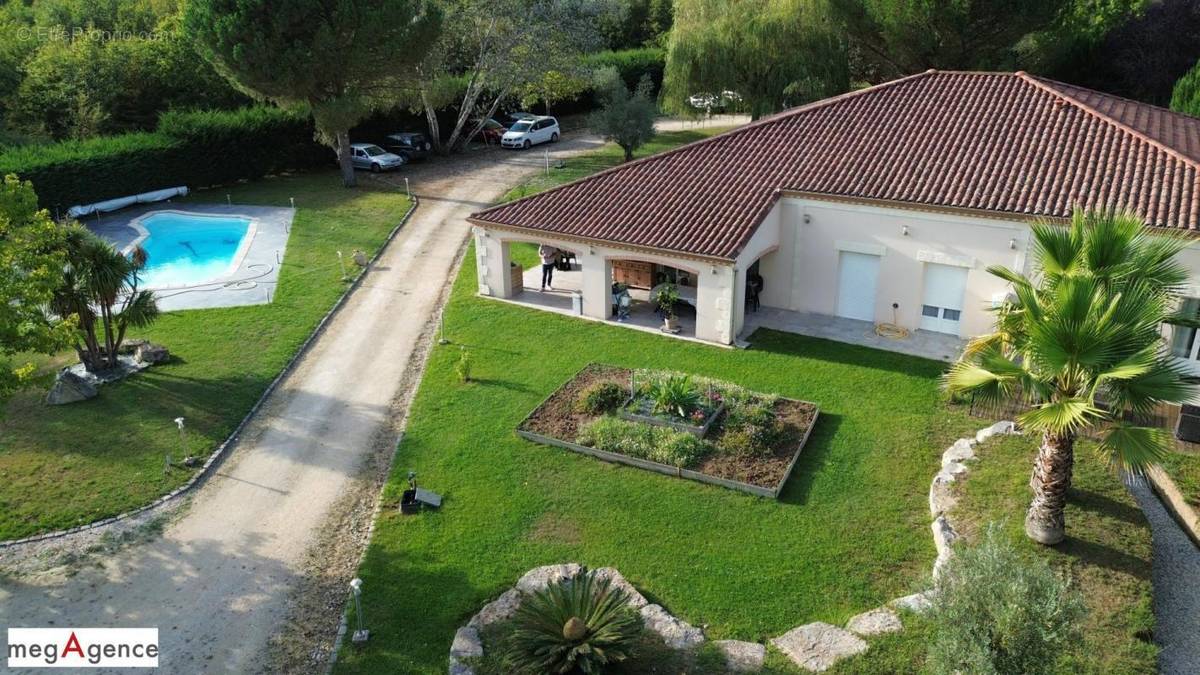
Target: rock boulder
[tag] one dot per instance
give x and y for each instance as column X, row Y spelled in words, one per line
column 818, row 646
column 70, row 388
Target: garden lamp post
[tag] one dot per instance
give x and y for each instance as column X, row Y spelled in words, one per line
column 360, row 634
column 182, row 446
column 342, row 262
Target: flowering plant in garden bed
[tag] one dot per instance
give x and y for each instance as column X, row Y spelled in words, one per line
column 676, row 421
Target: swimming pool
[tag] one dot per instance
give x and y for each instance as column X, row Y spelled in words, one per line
column 187, row 249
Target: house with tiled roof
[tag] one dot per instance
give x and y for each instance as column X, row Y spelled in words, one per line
column 884, row 205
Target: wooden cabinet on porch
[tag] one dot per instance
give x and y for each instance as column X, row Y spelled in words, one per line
column 633, row 273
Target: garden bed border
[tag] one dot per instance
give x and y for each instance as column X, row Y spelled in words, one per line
column 667, row 469
column 214, row 460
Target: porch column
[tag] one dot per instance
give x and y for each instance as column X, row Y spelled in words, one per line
column 596, row 285
column 715, row 287
column 491, row 265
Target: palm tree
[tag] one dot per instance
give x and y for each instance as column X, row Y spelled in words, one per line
column 1081, row 342
column 100, row 293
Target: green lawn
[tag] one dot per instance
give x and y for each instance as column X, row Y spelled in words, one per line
column 1107, row 554
column 608, row 156
column 69, row 465
column 1184, row 469
column 850, row 531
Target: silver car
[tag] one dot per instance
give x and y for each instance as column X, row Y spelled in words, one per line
column 375, row 158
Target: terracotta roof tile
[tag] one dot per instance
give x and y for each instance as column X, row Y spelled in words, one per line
column 1008, row 143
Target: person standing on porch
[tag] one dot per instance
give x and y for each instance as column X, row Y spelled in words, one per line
column 549, row 256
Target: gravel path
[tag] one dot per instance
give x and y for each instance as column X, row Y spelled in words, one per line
column 1176, row 575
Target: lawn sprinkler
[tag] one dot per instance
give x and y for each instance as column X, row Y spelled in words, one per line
column 360, row 634
column 414, row 498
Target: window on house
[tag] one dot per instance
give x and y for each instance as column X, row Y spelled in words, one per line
column 1183, row 339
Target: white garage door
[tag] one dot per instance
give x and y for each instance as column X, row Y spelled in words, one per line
column 945, row 286
column 858, row 273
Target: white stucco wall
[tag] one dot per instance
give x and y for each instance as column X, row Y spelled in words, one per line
column 802, row 273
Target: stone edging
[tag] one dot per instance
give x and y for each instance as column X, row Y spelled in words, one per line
column 1172, row 497
column 815, row 646
column 219, row 454
column 676, row 633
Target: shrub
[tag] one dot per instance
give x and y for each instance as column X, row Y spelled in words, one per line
column 645, row 441
column 675, row 395
column 601, row 398
column 463, row 367
column 197, row 149
column 575, row 625
column 997, row 612
column 751, row 428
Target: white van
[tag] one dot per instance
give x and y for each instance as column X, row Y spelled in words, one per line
column 528, row 133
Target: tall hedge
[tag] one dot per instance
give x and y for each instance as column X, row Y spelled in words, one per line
column 632, row 64
column 196, row 149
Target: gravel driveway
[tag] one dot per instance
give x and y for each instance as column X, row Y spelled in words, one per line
column 1176, row 578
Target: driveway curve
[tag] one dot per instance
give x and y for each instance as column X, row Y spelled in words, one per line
column 217, row 582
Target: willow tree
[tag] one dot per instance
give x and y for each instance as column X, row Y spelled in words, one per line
column 771, row 53
column 1081, row 342
column 329, row 57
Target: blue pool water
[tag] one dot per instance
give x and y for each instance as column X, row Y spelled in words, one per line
column 186, row 249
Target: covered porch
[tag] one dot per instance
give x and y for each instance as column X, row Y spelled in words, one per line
column 590, row 282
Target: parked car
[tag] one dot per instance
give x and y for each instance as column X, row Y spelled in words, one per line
column 528, row 133
column 410, row 145
column 491, row 131
column 375, row 158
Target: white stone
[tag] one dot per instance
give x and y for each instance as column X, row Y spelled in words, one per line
column 675, row 633
column 941, row 495
column 962, row 451
column 943, row 534
column 466, row 644
column 875, row 622
column 636, row 600
column 1004, row 427
column 954, row 469
column 917, row 603
column 539, row 578
column 742, row 657
column 459, row 668
column 499, row 609
column 818, row 646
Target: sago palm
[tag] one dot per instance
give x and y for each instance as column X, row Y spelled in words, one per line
column 1081, row 342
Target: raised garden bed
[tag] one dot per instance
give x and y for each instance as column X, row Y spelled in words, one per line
column 716, row 456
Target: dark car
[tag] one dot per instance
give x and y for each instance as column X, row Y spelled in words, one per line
column 409, row 144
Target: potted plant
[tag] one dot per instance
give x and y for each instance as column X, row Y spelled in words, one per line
column 668, row 295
